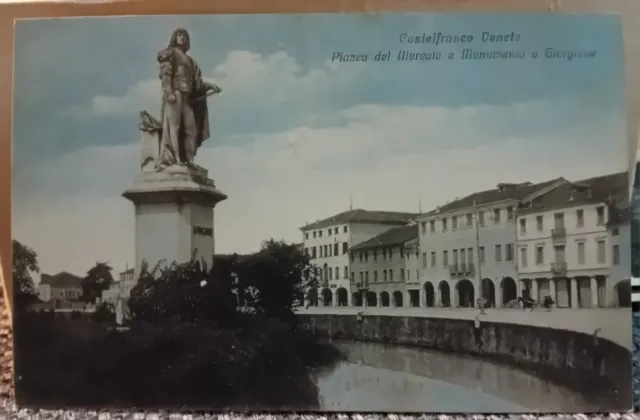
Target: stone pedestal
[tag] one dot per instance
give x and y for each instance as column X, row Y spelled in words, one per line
column 174, row 215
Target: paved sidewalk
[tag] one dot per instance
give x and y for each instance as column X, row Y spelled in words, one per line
column 615, row 323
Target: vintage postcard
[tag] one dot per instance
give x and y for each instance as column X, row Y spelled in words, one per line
column 390, row 213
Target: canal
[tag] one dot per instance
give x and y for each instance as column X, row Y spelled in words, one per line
column 376, row 377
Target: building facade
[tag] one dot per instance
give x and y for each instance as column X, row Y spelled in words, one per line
column 379, row 269
column 328, row 241
column 120, row 288
column 468, row 247
column 570, row 243
column 60, row 287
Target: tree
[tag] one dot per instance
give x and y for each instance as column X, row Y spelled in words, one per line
column 280, row 275
column 187, row 292
column 25, row 262
column 97, row 280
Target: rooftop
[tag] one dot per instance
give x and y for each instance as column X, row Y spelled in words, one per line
column 363, row 216
column 62, row 279
column 502, row 192
column 393, row 236
column 602, row 189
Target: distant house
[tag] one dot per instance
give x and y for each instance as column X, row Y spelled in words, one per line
column 63, row 286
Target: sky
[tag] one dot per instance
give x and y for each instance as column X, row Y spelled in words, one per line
column 295, row 136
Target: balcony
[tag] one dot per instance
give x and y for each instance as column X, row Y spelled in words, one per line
column 559, row 269
column 453, row 269
column 559, row 234
column 364, row 285
column 470, row 268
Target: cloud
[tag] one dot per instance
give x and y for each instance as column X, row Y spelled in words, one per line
column 384, row 155
column 251, row 83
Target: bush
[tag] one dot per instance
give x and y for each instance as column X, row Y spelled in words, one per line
column 255, row 366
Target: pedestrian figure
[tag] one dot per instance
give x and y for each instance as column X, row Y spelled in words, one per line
column 481, row 303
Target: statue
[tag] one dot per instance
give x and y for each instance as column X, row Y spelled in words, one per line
column 184, row 117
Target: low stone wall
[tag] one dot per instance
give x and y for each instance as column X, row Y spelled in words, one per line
column 597, row 368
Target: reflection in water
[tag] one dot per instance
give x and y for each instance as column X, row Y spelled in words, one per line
column 377, row 377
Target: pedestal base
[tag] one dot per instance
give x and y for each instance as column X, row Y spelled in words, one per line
column 174, row 216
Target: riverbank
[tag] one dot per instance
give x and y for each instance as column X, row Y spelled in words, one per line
column 597, row 368
column 260, row 364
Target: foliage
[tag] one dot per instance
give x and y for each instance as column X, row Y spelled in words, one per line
column 258, row 365
column 182, row 293
column 97, row 280
column 276, row 279
column 105, row 312
column 272, row 282
column 25, row 262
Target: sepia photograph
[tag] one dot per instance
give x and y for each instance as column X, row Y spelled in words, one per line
column 422, row 212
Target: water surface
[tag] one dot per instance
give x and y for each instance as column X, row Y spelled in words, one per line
column 377, row 377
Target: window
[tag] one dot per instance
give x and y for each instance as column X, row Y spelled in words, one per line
column 423, row 226
column 615, row 254
column 330, row 272
column 336, row 249
column 444, row 224
column 463, row 256
column 344, row 229
column 314, row 254
column 314, row 234
column 433, row 259
column 329, row 248
column 375, row 276
column 539, row 223
column 408, row 275
column 470, row 255
column 386, row 275
column 523, row 225
column 329, row 231
column 366, row 279
column 481, row 218
column 508, row 252
column 320, row 234
column 402, row 274
column 558, row 220
column 445, row 258
column 366, row 256
column 455, row 257
column 540, row 254
column 601, row 257
column 345, row 247
column 353, row 277
column 469, row 219
column 615, row 232
column 360, row 256
column 496, row 216
column 384, row 254
column 401, row 252
column 580, row 218
column 417, row 274
column 361, row 278
column 600, row 212
column 375, row 255
column 346, row 272
column 523, row 257
column 432, row 226
column 498, row 253
column 335, row 231
column 454, row 222
column 580, row 252
column 390, row 274
column 510, row 213
column 481, row 255
column 390, row 252
column 306, row 235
